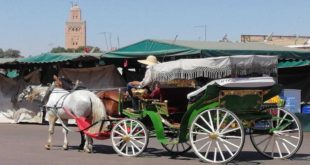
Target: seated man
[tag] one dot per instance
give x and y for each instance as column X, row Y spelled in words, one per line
column 147, row 80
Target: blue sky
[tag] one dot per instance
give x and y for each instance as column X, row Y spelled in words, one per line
column 35, row 26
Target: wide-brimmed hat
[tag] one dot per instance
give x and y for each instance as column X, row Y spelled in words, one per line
column 150, row 60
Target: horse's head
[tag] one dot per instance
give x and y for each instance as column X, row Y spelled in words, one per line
column 63, row 83
column 33, row 92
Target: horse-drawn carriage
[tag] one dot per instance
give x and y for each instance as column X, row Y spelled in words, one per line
column 211, row 119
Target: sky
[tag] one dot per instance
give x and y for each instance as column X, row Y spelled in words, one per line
column 36, row 26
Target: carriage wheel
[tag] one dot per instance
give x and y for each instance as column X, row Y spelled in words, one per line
column 129, row 137
column 217, row 135
column 278, row 138
column 174, row 147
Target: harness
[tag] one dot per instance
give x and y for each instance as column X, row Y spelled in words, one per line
column 82, row 122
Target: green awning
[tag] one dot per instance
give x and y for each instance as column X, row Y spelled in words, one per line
column 58, row 57
column 151, row 47
column 205, row 49
column 295, row 63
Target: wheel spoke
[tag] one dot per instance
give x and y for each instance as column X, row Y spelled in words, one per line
column 231, row 130
column 208, row 143
column 138, row 141
column 119, row 133
column 211, row 121
column 134, row 128
column 288, row 142
column 201, row 133
column 289, row 130
column 183, row 146
column 215, row 154
column 133, row 144
column 232, row 137
column 207, row 123
column 121, row 141
column 119, row 126
column 278, row 117
column 207, row 151
column 125, row 125
column 202, row 128
column 278, row 147
column 231, row 154
column 273, row 144
column 133, row 150
column 227, row 126
column 173, row 145
column 220, row 150
column 223, row 140
column 137, row 137
column 222, row 122
column 125, row 144
column 270, row 138
column 198, row 140
column 217, row 119
column 284, row 145
column 283, row 119
column 138, row 132
column 130, row 127
column 264, row 140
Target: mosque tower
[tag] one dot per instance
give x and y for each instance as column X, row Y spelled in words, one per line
column 75, row 29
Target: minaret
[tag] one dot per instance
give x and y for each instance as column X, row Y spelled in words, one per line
column 75, row 29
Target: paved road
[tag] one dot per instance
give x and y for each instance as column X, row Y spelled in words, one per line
column 22, row 144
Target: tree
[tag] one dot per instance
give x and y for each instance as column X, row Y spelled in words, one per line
column 1, row 53
column 81, row 49
column 10, row 53
column 58, row 50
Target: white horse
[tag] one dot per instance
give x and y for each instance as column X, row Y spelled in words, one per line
column 81, row 103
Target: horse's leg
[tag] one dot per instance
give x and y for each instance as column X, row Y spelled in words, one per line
column 51, row 128
column 88, row 147
column 82, row 140
column 65, row 132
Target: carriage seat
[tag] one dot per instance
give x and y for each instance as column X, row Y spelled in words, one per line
column 250, row 82
column 176, row 97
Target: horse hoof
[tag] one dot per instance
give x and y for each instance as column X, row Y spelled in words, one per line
column 87, row 150
column 47, row 147
column 65, row 147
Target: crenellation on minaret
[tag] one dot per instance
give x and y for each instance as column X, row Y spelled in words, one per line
column 75, row 29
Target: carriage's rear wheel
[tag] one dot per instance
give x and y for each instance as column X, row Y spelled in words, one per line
column 217, row 135
column 129, row 137
column 278, row 138
column 174, row 147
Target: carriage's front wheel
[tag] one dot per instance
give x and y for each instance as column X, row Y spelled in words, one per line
column 278, row 138
column 129, row 137
column 217, row 135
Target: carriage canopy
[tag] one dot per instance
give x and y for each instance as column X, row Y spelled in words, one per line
column 215, row 68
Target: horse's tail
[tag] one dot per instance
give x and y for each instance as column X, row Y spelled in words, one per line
column 98, row 113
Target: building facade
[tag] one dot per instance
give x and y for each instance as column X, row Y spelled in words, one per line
column 281, row 40
column 75, row 29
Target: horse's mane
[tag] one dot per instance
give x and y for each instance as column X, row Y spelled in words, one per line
column 67, row 84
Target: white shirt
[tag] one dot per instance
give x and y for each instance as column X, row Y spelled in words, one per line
column 147, row 78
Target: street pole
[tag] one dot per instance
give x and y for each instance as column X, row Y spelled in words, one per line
column 205, row 29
